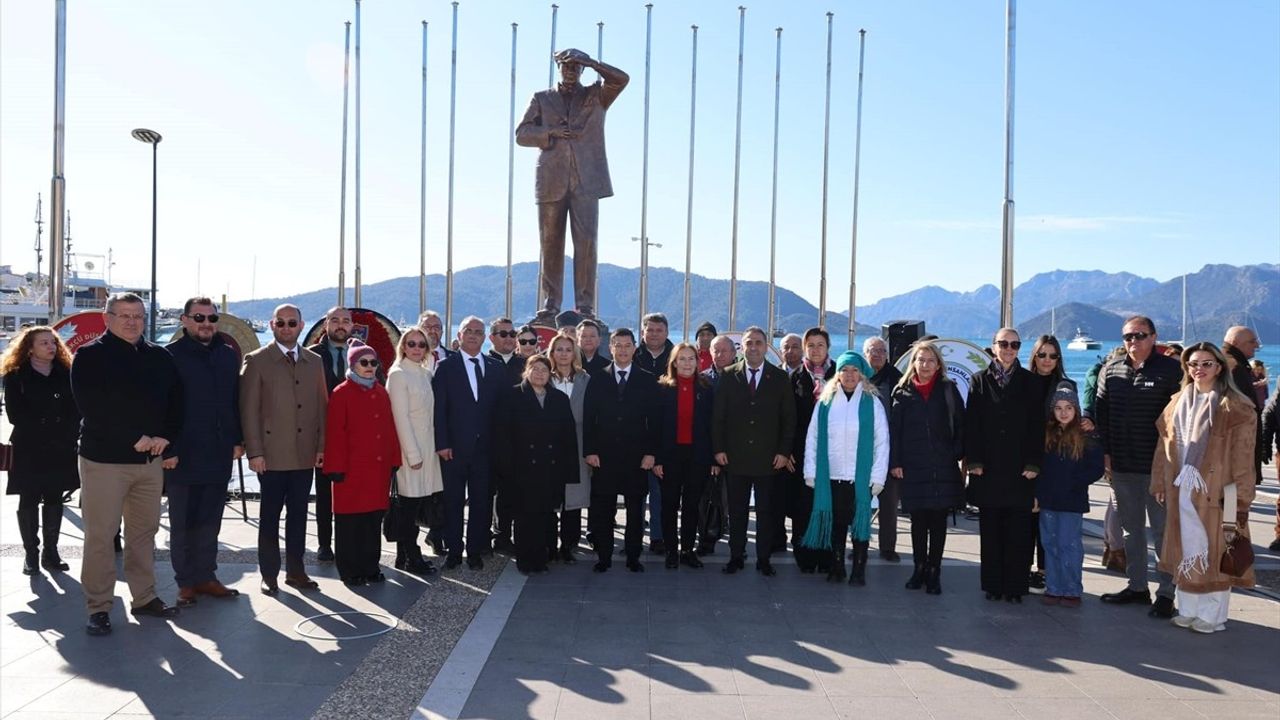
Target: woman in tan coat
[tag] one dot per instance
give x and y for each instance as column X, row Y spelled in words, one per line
column 1207, row 435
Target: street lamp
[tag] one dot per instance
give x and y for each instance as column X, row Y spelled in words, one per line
column 152, row 138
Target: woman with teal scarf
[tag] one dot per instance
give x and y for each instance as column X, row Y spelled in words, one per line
column 846, row 461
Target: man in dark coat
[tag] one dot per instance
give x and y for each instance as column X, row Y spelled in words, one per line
column 332, row 350
column 593, row 361
column 653, row 355
column 753, row 424
column 619, row 440
column 467, row 388
column 1004, row 445
column 885, row 379
column 1240, row 345
column 210, row 441
column 815, row 369
column 502, row 336
column 713, row 510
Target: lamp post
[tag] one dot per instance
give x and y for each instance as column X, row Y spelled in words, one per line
column 152, row 138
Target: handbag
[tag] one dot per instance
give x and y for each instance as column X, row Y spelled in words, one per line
column 6, row 457
column 391, row 518
column 1237, row 551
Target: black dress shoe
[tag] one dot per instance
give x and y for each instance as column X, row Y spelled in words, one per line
column 766, row 569
column 635, row 566
column 890, row 556
column 567, row 557
column 99, row 624
column 1127, row 597
column 994, row 596
column 475, row 563
column 324, row 554
column 452, row 562
column 600, row 567
column 1163, row 608
column 658, row 547
column 51, row 561
column 691, row 560
column 673, row 560
column 270, row 588
column 732, row 567
column 155, row 608
column 376, row 578
column 354, row 581
column 301, row 581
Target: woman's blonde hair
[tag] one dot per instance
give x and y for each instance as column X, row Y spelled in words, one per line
column 1224, row 383
column 832, row 385
column 405, row 336
column 669, row 378
column 19, row 350
column 565, row 335
column 916, row 348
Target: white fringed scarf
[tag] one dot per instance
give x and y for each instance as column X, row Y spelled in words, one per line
column 1192, row 420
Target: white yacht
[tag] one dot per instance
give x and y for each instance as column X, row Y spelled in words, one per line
column 1083, row 341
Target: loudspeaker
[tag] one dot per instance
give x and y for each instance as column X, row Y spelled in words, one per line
column 899, row 334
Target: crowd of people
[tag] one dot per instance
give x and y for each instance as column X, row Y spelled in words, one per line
column 505, row 450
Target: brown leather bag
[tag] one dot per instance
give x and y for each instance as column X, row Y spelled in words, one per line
column 1237, row 551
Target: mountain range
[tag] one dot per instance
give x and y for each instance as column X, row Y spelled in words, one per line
column 1091, row 300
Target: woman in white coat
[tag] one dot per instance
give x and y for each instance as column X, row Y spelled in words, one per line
column 568, row 376
column 413, row 408
column 846, row 460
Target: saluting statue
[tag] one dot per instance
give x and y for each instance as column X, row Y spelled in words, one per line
column 567, row 123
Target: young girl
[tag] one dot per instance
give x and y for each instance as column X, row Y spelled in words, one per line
column 1072, row 462
column 361, row 451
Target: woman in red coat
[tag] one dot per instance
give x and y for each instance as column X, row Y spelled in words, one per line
column 361, row 452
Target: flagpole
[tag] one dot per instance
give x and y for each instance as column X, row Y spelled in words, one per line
column 358, row 278
column 857, row 161
column 342, row 211
column 453, row 97
column 688, row 228
column 737, row 173
column 773, row 205
column 58, row 184
column 1006, row 264
column 422, row 203
column 511, row 163
column 826, row 154
column 644, row 172
column 551, row 77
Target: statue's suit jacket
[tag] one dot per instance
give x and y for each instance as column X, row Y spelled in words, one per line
column 561, row 160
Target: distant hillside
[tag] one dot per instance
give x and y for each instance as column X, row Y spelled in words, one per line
column 1071, row 317
column 1218, row 296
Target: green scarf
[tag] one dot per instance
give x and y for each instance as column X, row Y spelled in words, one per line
column 818, row 536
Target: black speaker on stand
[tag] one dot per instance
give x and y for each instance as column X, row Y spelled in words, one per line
column 899, row 334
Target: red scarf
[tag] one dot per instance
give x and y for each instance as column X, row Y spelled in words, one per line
column 925, row 388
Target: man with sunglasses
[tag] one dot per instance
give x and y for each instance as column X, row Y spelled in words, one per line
column 210, row 441
column 1132, row 392
column 505, row 339
column 283, row 399
column 332, row 349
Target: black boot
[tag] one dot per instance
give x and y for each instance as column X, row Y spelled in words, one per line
column 401, row 556
column 933, row 580
column 917, row 578
column 29, row 528
column 859, row 574
column 51, row 515
column 836, row 572
column 416, row 564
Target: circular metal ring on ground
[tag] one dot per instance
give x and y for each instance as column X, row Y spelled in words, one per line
column 395, row 622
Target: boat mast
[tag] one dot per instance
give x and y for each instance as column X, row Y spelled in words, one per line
column 1185, row 334
column 39, row 233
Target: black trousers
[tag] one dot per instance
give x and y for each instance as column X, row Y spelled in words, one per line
column 358, row 549
column 793, row 496
column 713, row 512
column 407, row 521
column 283, row 490
column 929, row 536
column 806, row 559
column 740, row 488
column 1006, row 549
column 567, row 531
column 888, row 516
column 195, row 519
column 603, row 510
column 324, row 510
column 842, row 499
column 683, row 483
column 466, row 487
column 530, row 529
column 1035, row 537
column 32, row 517
column 502, row 513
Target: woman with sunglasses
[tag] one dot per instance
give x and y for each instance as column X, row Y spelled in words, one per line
column 568, row 376
column 526, row 341
column 1203, row 457
column 46, row 429
column 537, row 454
column 361, row 451
column 1004, row 446
column 413, row 408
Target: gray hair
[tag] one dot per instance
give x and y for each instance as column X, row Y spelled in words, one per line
column 470, row 319
column 873, row 340
column 123, row 297
column 429, row 314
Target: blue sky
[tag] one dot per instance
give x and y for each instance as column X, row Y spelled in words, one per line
column 1147, row 137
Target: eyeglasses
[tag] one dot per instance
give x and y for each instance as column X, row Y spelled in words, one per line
column 281, row 322
column 1006, row 344
column 128, row 318
column 529, row 341
column 367, row 362
column 414, row 344
column 201, row 317
column 1135, row 336
column 1202, row 365
column 1051, row 356
column 505, row 333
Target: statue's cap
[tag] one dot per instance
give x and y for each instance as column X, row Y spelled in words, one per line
column 571, row 55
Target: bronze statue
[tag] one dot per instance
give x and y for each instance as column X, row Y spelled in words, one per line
column 567, row 124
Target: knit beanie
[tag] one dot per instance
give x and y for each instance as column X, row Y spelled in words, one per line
column 849, row 357
column 1065, row 390
column 357, row 350
column 706, row 327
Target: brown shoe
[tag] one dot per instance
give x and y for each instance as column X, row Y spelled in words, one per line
column 186, row 597
column 301, row 582
column 213, row 588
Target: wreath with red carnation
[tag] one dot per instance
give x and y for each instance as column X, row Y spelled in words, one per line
column 372, row 328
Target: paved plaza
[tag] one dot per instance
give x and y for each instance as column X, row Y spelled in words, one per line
column 660, row 644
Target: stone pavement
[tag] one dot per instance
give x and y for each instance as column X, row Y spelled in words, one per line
column 658, row 644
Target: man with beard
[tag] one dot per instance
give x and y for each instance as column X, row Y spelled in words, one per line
column 210, row 440
column 332, row 349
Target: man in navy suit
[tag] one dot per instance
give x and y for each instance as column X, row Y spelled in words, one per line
column 620, row 420
column 467, row 386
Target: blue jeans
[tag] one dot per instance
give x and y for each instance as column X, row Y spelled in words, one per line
column 1060, row 533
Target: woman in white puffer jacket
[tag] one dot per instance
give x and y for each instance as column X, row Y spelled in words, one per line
column 846, row 459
